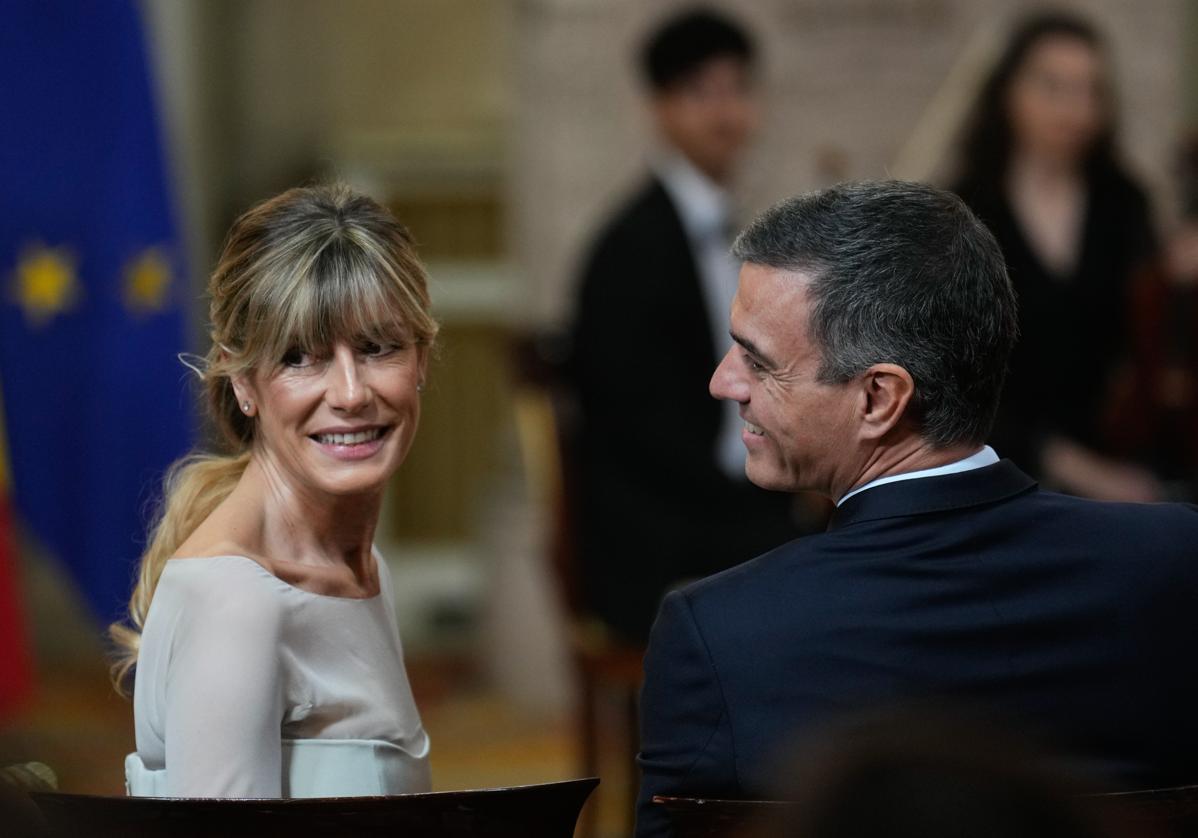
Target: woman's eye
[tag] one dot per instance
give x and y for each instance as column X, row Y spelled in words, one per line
column 374, row 349
column 296, row 358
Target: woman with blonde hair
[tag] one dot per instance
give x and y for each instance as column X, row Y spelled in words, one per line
column 263, row 642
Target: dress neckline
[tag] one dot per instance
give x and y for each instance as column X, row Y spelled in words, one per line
column 1066, row 279
column 372, row 598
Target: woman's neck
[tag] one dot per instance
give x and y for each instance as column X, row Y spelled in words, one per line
column 296, row 525
column 1048, row 198
column 1031, row 170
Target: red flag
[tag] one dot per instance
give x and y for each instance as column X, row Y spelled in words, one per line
column 16, row 665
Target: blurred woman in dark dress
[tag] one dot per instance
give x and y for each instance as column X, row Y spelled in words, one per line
column 1039, row 167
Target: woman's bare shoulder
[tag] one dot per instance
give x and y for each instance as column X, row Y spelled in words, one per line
column 222, row 534
column 233, row 528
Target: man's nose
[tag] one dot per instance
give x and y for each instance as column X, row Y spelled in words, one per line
column 727, row 381
column 347, row 389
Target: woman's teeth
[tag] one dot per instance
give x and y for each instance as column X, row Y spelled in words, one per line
column 350, row 439
column 753, row 429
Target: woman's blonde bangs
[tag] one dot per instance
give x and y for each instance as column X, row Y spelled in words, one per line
column 346, row 290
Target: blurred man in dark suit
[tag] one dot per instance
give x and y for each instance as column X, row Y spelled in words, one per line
column 873, row 323
column 663, row 495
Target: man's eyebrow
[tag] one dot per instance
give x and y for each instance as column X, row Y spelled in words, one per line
column 749, row 347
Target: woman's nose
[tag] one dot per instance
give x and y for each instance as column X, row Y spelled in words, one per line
column 347, row 389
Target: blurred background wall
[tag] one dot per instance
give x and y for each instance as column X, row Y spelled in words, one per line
column 853, row 89
column 532, row 107
column 501, row 131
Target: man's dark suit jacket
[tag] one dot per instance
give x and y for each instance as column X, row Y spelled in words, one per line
column 654, row 506
column 1076, row 618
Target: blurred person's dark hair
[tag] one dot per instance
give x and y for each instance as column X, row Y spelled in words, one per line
column 988, row 138
column 929, row 772
column 687, row 41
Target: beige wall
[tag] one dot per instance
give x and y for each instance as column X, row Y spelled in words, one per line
column 319, row 81
column 262, row 93
column 1190, row 58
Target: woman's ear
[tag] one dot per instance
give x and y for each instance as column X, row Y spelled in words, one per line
column 422, row 354
column 888, row 390
column 245, row 392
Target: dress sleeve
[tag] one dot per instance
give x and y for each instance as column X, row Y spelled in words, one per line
column 686, row 735
column 224, row 694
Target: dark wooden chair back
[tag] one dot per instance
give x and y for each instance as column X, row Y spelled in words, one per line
column 549, row 810
column 1149, row 813
column 697, row 817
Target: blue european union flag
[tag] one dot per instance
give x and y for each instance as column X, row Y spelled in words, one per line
column 92, row 289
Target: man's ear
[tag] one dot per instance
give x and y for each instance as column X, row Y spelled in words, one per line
column 887, row 390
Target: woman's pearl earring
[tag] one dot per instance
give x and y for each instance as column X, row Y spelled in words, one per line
column 246, row 407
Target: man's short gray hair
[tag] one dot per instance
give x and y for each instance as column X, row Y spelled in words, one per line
column 900, row 273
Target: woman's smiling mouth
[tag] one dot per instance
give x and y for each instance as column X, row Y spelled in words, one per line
column 350, row 437
column 352, row 443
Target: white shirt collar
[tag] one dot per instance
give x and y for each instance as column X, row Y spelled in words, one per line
column 701, row 202
column 980, row 459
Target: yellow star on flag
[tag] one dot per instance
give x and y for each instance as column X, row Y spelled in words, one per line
column 147, row 282
column 46, row 283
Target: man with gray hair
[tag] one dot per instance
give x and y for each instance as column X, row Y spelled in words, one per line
column 872, row 326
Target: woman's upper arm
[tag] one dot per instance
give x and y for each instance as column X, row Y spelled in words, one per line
column 224, row 696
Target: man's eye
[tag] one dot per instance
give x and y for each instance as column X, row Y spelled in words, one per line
column 752, row 363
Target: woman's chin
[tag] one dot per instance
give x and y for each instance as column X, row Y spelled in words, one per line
column 354, row 479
